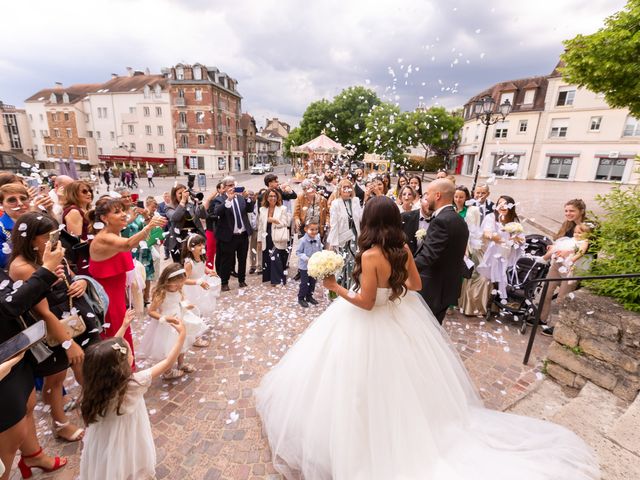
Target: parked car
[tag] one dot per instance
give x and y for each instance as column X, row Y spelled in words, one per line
column 261, row 168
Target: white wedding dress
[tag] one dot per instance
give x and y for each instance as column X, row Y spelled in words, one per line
column 382, row 395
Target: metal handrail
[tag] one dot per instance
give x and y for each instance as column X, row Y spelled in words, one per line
column 543, row 296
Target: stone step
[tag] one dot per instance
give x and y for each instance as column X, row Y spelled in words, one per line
column 626, row 429
column 591, row 415
column 544, row 401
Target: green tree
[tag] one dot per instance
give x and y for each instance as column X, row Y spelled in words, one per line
column 435, row 130
column 350, row 110
column 385, row 132
column 608, row 60
column 343, row 119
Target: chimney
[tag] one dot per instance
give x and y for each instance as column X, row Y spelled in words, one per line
column 114, row 75
column 129, row 71
column 58, row 84
column 147, row 71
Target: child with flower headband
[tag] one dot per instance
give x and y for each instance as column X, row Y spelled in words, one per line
column 167, row 306
column 202, row 287
column 118, row 442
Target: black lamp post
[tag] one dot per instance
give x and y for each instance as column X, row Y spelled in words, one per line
column 128, row 149
column 484, row 109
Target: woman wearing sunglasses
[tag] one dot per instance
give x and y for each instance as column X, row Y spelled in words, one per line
column 78, row 196
column 14, row 199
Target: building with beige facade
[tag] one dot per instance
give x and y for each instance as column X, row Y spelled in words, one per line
column 130, row 121
column 16, row 142
column 125, row 121
column 555, row 131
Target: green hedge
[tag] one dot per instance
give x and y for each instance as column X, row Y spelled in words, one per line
column 617, row 241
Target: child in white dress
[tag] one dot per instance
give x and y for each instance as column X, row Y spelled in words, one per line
column 202, row 287
column 118, row 442
column 504, row 245
column 167, row 305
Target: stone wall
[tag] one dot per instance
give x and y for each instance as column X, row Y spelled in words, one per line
column 596, row 339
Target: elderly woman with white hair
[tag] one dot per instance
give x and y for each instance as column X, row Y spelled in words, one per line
column 345, row 216
column 310, row 207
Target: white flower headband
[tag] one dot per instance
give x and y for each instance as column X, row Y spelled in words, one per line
column 181, row 271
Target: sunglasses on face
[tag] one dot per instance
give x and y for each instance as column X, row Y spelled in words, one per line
column 85, row 191
column 14, row 200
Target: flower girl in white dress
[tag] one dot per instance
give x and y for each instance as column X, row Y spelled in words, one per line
column 118, row 442
column 202, row 287
column 167, row 305
column 374, row 390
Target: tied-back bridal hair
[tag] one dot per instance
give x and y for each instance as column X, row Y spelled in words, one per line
column 382, row 226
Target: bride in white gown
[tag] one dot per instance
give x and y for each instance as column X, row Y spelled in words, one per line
column 373, row 390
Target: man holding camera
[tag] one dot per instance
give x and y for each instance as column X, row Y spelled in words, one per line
column 233, row 230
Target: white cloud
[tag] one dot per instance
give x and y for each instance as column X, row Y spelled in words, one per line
column 287, row 53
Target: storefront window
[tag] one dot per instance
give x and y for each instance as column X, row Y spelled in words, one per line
column 611, row 169
column 559, row 167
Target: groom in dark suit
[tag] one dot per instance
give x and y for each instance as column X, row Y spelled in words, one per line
column 440, row 257
column 233, row 230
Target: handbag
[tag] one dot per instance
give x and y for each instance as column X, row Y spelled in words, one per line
column 73, row 324
column 96, row 297
column 39, row 351
column 280, row 234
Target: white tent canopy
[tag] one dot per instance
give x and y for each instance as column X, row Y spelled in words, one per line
column 321, row 144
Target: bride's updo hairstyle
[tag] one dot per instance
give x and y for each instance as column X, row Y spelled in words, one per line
column 382, row 226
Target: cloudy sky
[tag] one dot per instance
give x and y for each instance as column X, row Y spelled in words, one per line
column 287, row 53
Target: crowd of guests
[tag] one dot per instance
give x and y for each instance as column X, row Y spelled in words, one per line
column 69, row 257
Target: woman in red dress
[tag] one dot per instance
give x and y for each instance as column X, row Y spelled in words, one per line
column 110, row 258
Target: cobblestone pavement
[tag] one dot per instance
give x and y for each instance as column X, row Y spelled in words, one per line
column 205, row 425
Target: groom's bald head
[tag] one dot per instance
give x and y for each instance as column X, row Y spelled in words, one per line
column 440, row 193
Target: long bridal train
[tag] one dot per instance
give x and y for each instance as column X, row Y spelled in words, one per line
column 382, row 395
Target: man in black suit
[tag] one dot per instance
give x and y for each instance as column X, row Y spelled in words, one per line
column 416, row 220
column 440, row 258
column 233, row 230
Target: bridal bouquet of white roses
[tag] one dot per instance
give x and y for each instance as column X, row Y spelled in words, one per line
column 324, row 263
column 513, row 228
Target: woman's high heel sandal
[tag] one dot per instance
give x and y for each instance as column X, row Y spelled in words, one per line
column 57, row 427
column 27, row 471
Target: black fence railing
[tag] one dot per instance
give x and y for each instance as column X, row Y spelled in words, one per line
column 543, row 296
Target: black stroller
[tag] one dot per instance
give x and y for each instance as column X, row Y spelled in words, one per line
column 520, row 303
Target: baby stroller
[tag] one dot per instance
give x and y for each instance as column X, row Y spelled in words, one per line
column 520, row 303
column 536, row 245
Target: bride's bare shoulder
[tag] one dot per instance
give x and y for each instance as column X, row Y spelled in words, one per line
column 373, row 254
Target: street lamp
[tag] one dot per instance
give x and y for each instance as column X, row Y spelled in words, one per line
column 484, row 109
column 129, row 149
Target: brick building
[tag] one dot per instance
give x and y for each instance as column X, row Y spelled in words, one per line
column 248, row 139
column 205, row 109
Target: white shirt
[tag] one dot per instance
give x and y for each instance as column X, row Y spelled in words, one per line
column 229, row 204
column 435, row 214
